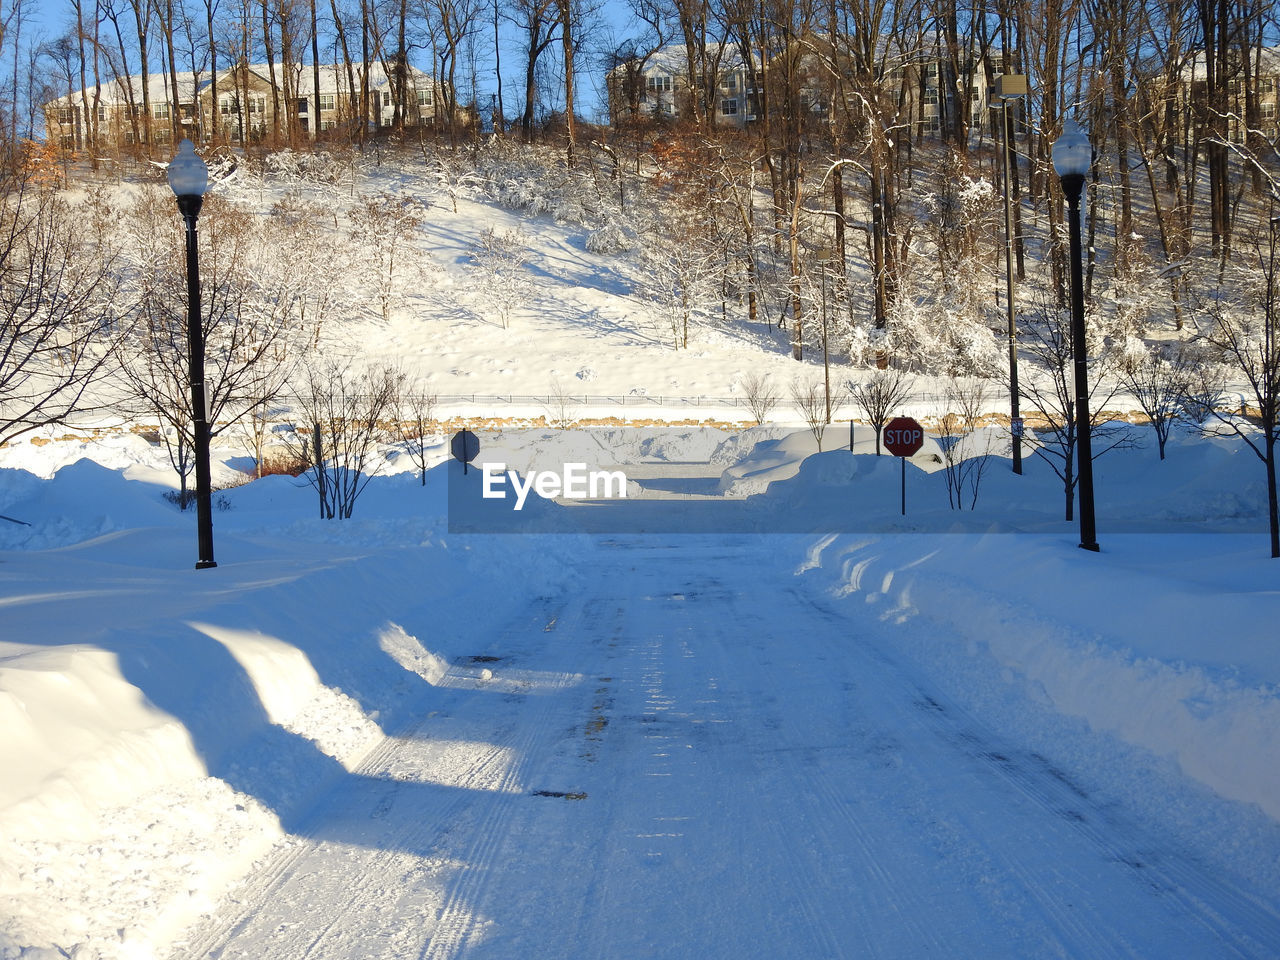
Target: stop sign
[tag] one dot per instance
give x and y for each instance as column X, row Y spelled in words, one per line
column 464, row 446
column 903, row 436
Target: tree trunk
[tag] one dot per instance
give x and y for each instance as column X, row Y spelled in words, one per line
column 175, row 118
column 287, row 83
column 313, row 113
column 216, row 118
column 269, row 47
column 1273, row 506
column 142, row 14
column 566, row 45
column 365, row 105
column 353, row 98
column 500, row 119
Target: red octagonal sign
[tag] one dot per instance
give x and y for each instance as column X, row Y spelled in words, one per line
column 903, row 436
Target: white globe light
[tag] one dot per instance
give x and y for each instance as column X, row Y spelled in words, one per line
column 1072, row 152
column 188, row 175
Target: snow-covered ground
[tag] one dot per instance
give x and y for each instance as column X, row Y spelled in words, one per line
column 950, row 733
column 855, row 744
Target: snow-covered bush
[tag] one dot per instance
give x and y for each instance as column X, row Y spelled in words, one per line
column 329, row 167
column 956, row 215
column 610, row 238
column 504, row 282
column 384, row 226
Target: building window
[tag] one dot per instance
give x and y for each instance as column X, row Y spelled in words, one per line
column 425, row 98
column 257, row 105
column 327, row 124
column 1267, row 85
column 302, row 105
column 658, row 84
column 729, row 108
column 730, row 84
column 102, row 114
column 1268, row 111
column 66, row 115
column 228, row 106
column 328, row 101
column 160, row 111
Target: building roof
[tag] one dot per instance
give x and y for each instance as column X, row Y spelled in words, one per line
column 1268, row 63
column 672, row 59
column 333, row 79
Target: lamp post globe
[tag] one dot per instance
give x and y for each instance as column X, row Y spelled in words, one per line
column 189, row 179
column 188, row 174
column 1072, row 160
column 1072, row 151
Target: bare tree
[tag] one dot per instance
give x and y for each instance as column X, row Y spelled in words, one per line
column 811, row 401
column 1247, row 342
column 384, row 225
column 415, row 425
column 682, row 269
column 59, row 319
column 1158, row 380
column 559, row 408
column 1205, row 387
column 246, row 323
column 1046, row 341
column 536, row 21
column 341, row 426
column 453, row 23
column 761, row 395
column 880, row 395
column 964, row 458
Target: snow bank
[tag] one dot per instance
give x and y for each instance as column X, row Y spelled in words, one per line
column 1166, row 639
column 165, row 727
column 1166, row 642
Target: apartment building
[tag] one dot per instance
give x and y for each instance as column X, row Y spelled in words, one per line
column 921, row 85
column 244, row 109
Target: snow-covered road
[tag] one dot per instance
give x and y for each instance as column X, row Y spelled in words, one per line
column 689, row 755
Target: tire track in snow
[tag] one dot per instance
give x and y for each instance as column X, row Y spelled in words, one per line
column 289, row 888
column 1197, row 906
column 462, row 911
column 219, row 938
column 888, row 894
column 1230, row 915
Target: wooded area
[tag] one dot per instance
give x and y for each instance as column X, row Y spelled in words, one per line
column 834, row 217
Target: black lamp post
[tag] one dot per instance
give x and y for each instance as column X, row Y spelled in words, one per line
column 189, row 178
column 1072, row 159
column 1009, row 87
column 824, row 259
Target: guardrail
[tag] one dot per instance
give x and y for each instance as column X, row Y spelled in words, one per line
column 587, row 400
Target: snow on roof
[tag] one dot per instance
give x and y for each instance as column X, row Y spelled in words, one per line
column 333, row 79
column 1268, row 63
column 673, row 59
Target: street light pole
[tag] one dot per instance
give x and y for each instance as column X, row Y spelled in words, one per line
column 1008, row 88
column 189, row 178
column 826, row 363
column 1072, row 158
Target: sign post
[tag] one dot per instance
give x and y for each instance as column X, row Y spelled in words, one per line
column 903, row 437
column 464, row 446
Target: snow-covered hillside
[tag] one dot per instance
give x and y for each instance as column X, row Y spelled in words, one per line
column 949, row 733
